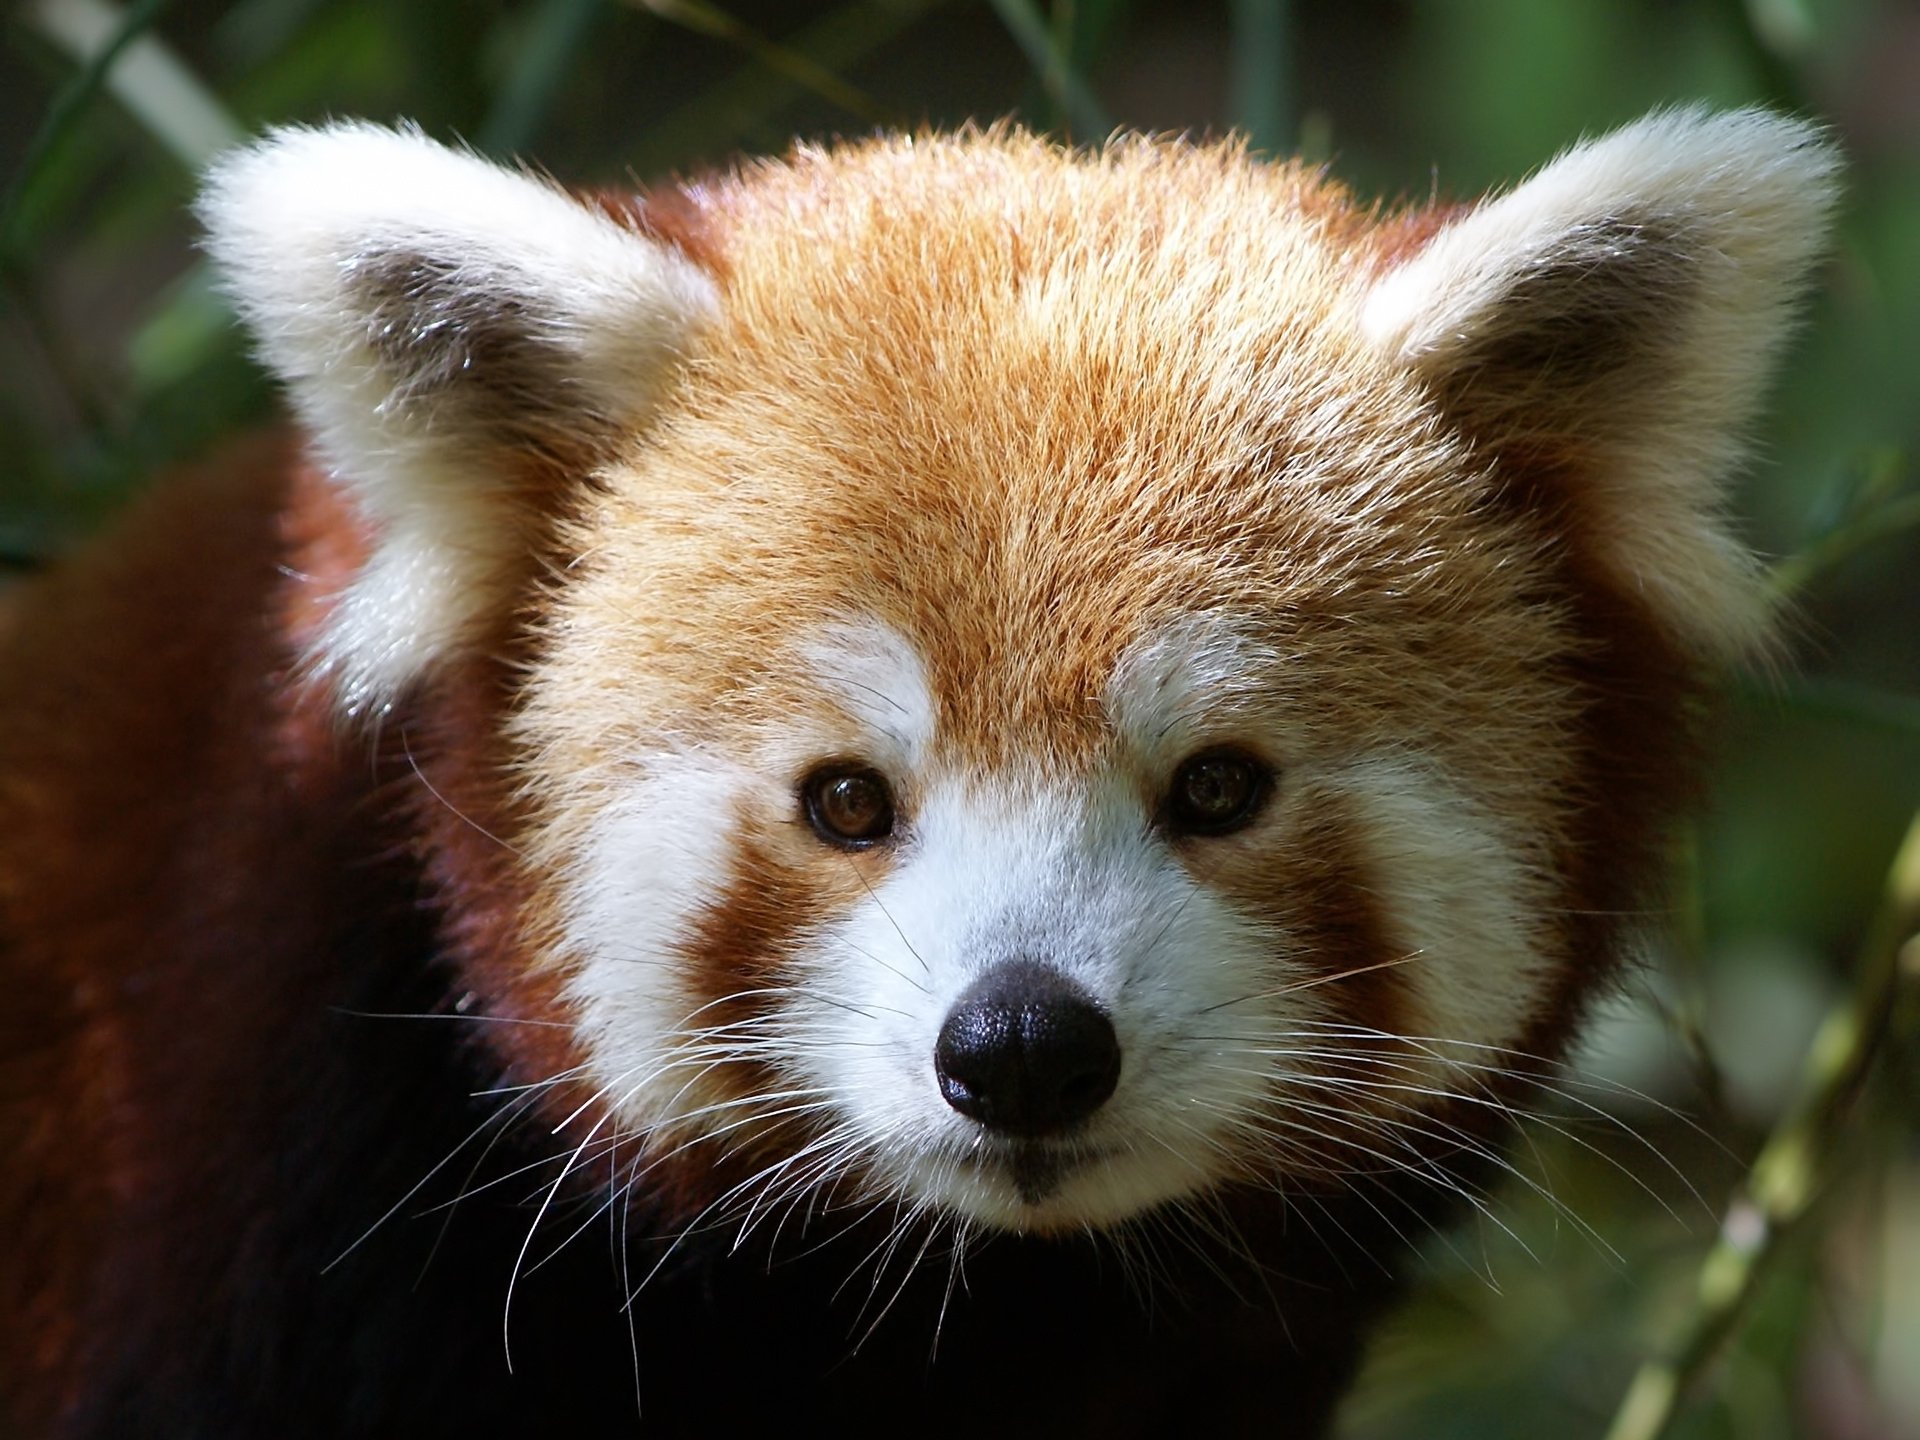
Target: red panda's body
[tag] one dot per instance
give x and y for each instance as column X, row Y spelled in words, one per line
column 938, row 740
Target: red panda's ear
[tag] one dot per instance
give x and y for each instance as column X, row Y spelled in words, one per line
column 1613, row 320
column 446, row 328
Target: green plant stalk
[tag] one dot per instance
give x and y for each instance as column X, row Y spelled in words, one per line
column 1687, row 1014
column 728, row 110
column 1787, row 1174
column 1890, row 518
column 784, row 60
column 62, row 115
column 1845, row 702
column 65, row 368
column 1066, row 88
column 559, row 32
column 1262, row 73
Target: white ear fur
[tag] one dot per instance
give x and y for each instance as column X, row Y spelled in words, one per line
column 1624, row 307
column 433, row 314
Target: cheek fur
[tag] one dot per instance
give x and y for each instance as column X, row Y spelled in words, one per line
column 1463, row 898
column 630, row 883
column 1405, row 958
column 674, row 909
column 1326, row 900
column 737, row 951
column 733, row 957
column 696, row 897
column 1414, row 912
column 740, row 956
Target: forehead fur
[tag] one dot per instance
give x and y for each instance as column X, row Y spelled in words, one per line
column 1026, row 408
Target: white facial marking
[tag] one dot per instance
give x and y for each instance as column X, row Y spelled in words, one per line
column 663, row 848
column 1460, row 900
column 1180, row 688
column 871, row 673
column 660, row 850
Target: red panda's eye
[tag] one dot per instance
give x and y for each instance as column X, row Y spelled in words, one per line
column 851, row 808
column 1214, row 792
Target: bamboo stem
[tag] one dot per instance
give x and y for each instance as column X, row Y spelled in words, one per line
column 1787, row 1174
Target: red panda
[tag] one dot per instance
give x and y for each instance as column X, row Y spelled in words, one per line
column 939, row 785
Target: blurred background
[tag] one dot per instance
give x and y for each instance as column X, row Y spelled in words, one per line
column 1716, row 1229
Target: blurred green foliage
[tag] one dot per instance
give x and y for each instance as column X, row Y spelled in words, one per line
column 116, row 359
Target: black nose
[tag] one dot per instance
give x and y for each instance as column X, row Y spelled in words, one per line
column 1026, row 1051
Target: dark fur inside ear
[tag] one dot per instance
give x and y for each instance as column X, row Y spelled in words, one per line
column 1598, row 311
column 448, row 337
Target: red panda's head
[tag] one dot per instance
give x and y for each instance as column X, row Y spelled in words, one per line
column 1043, row 684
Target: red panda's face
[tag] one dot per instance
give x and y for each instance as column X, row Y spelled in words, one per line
column 1058, row 751
column 1057, row 685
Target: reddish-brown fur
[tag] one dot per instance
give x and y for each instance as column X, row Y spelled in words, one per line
column 147, row 844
